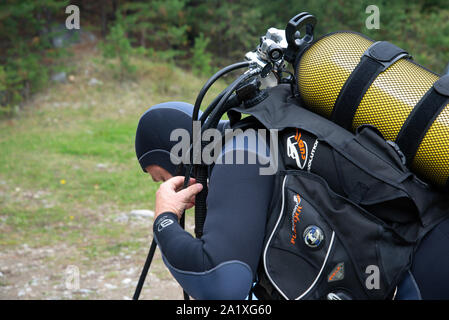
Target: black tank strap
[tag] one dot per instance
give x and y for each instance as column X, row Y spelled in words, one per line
column 422, row 116
column 377, row 58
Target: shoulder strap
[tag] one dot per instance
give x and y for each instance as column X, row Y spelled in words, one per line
column 422, row 116
column 376, row 59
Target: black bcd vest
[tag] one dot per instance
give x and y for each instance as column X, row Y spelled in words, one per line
column 346, row 214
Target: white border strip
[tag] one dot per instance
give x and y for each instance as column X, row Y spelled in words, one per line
column 322, row 268
column 269, row 241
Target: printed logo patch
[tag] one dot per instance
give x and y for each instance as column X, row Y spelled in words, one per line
column 163, row 224
column 296, row 212
column 313, row 236
column 337, row 274
column 297, row 149
column 312, row 154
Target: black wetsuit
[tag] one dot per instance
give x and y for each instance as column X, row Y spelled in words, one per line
column 223, row 263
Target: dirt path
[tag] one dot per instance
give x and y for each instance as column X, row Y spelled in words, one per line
column 37, row 273
column 93, row 265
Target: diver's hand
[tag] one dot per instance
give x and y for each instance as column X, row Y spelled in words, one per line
column 168, row 198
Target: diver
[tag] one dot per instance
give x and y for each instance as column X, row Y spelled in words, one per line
column 224, row 262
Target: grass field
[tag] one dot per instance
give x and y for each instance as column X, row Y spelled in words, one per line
column 69, row 179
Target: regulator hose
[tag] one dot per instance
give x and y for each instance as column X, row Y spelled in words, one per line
column 201, row 171
column 211, row 81
column 222, row 107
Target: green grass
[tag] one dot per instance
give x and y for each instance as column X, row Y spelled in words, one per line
column 67, row 161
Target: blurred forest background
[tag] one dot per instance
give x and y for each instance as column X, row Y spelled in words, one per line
column 195, row 34
column 72, row 194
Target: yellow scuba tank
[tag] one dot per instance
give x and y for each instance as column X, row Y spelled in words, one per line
column 352, row 80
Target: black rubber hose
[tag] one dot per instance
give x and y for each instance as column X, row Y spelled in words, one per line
column 211, row 81
column 212, row 106
column 200, row 199
column 201, row 171
column 203, row 118
column 145, row 269
column 221, row 107
column 204, row 90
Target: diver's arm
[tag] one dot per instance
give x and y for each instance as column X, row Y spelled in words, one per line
column 222, row 264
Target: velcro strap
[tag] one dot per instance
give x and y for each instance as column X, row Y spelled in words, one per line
column 377, row 58
column 422, row 116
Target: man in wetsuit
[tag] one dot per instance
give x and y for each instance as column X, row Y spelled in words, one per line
column 223, row 263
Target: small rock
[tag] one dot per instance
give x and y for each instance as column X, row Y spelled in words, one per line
column 121, row 218
column 94, row 82
column 110, row 286
column 90, row 36
column 101, row 166
column 154, row 278
column 59, row 77
column 47, row 204
column 126, row 281
column 130, row 271
column 142, row 213
column 83, row 291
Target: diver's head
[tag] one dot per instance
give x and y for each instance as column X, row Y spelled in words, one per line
column 153, row 143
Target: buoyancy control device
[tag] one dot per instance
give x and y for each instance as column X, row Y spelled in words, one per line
column 346, row 214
